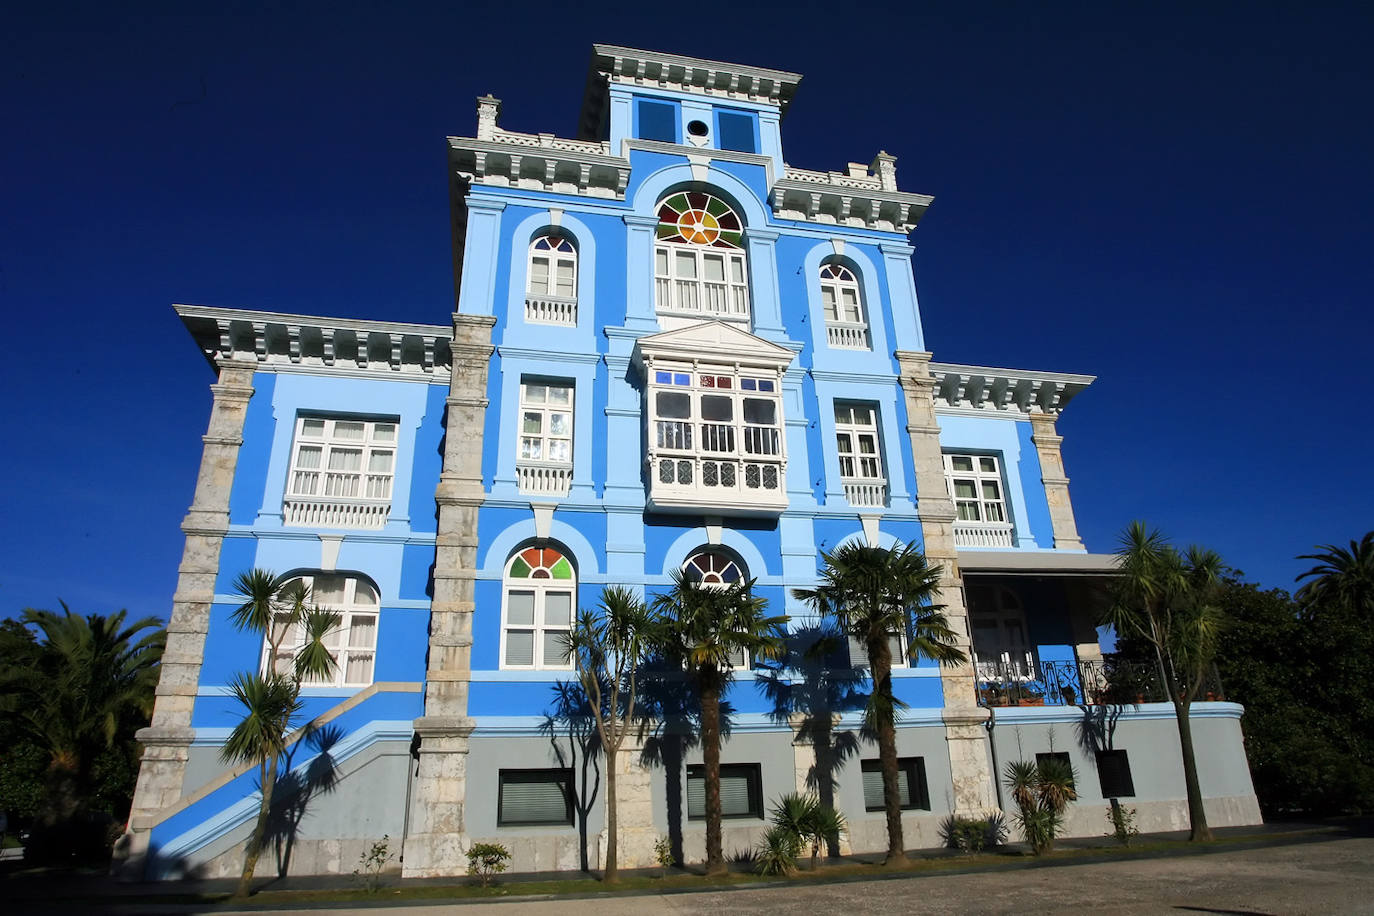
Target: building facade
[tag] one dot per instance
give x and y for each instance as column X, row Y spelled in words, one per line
column 671, row 351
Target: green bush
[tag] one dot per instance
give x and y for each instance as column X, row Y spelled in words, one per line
column 486, row 860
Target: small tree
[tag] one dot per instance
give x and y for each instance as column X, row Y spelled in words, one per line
column 808, row 821
column 277, row 608
column 874, row 594
column 608, row 650
column 1169, row 599
column 705, row 625
column 1041, row 791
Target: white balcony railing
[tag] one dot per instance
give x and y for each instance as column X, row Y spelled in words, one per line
column 866, row 493
column 543, row 479
column 324, row 512
column 973, row 534
column 847, row 336
column 551, row 310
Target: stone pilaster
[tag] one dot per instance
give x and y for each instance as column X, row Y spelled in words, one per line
column 1047, row 445
column 436, row 842
column 167, row 740
column 635, row 809
column 974, row 792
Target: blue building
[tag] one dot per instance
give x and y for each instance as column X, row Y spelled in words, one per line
column 671, row 351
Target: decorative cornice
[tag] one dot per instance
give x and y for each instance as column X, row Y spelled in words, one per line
column 1008, row 392
column 863, row 196
column 272, row 339
column 540, row 162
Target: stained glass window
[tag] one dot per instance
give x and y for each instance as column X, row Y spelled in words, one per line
column 540, row 591
column 697, row 218
column 711, row 567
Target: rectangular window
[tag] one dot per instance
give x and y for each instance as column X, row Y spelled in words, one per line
column 975, row 484
column 341, row 473
column 735, row 131
column 657, row 120
column 861, row 463
column 1114, row 774
column 1061, row 757
column 352, row 644
column 741, row 791
column 528, row 798
column 544, row 459
column 911, row 784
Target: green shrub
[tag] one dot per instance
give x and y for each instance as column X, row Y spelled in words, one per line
column 1122, row 821
column 777, row 852
column 663, row 855
column 972, row 835
column 486, row 860
column 1041, row 791
column 370, row 865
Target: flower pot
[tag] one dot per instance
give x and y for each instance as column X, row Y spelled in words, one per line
column 1031, row 701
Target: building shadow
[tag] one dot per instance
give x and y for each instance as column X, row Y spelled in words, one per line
column 811, row 687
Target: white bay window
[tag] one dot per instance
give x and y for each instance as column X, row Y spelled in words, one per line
column 341, row 473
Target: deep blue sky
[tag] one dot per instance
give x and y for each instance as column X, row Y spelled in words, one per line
column 1173, row 197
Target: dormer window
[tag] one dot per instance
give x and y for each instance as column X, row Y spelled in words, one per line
column 699, row 266
column 845, row 326
column 551, row 291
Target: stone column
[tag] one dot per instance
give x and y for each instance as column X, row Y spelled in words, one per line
column 974, row 791
column 1047, row 444
column 436, row 843
column 635, row 809
column 167, row 740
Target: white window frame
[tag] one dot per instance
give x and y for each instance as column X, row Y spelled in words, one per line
column 842, row 304
column 551, row 280
column 739, row 456
column 861, row 469
column 318, row 495
column 681, row 283
column 539, row 473
column 360, row 603
column 980, row 520
column 713, row 579
column 539, row 626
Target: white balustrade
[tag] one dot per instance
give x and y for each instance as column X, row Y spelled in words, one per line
column 324, row 512
column 551, row 310
column 866, row 493
column 543, row 479
column 967, row 534
column 847, row 336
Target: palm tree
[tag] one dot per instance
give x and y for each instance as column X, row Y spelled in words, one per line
column 608, row 650
column 278, row 608
column 1170, row 599
column 79, row 691
column 705, row 625
column 874, row 594
column 1342, row 580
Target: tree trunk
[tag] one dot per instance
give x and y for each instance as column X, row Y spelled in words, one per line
column 880, row 662
column 254, row 850
column 710, row 758
column 610, row 873
column 824, row 749
column 1197, row 812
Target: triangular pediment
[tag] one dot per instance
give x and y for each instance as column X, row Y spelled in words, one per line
column 713, row 340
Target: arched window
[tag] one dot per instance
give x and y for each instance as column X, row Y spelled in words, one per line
column 551, row 288
column 699, row 268
column 537, row 609
column 717, row 569
column 353, row 643
column 845, row 325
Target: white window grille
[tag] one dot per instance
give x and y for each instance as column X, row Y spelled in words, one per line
column 842, row 303
column 861, row 464
column 551, row 290
column 716, row 433
column 699, row 266
column 352, row 644
column 341, row 473
column 975, row 485
column 544, row 462
column 716, row 569
column 539, row 594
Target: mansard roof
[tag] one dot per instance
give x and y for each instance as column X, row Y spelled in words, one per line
column 714, row 342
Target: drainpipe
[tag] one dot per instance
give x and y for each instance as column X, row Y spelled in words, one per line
column 413, row 763
column 991, row 724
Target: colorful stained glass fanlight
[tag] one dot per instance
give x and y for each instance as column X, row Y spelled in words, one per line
column 696, row 218
column 553, row 242
column 837, row 272
column 712, row 568
column 540, row 563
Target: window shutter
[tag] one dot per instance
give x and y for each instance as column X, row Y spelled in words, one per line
column 696, row 795
column 535, row 797
column 734, row 794
column 873, row 787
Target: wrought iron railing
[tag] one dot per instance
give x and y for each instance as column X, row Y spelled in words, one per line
column 1110, row 682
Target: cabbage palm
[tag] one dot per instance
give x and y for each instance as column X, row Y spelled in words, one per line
column 872, row 594
column 705, row 625
column 608, row 649
column 1170, row 599
column 275, row 607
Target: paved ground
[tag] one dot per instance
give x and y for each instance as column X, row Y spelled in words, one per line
column 1332, row 876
